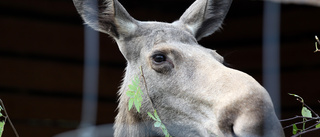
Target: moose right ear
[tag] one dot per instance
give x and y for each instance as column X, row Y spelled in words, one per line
column 107, row 16
column 204, row 17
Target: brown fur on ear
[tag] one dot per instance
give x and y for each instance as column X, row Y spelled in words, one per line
column 204, row 17
column 107, row 16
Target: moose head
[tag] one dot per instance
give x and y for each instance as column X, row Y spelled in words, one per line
column 191, row 89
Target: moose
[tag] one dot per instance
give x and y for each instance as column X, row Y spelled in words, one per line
column 192, row 90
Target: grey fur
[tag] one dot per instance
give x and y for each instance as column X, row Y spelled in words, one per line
column 193, row 92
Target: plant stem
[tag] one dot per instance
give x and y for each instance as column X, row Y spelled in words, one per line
column 317, row 44
column 145, row 84
column 5, row 111
column 305, row 131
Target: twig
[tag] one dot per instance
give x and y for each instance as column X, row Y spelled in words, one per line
column 304, row 104
column 288, row 119
column 317, row 39
column 307, row 130
column 318, row 42
column 145, row 85
column 301, row 122
column 311, row 110
column 7, row 116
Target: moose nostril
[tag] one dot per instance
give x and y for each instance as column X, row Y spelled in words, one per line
column 158, row 58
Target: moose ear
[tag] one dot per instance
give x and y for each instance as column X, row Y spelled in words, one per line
column 204, row 17
column 107, row 16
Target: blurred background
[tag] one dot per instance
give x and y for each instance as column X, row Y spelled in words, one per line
column 42, row 51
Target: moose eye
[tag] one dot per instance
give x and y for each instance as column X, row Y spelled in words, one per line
column 159, row 58
column 161, row 62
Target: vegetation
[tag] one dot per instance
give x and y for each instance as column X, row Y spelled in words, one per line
column 317, row 42
column 4, row 118
column 306, row 115
column 135, row 95
column 2, row 122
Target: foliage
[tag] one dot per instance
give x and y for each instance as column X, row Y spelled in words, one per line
column 158, row 123
column 135, row 95
column 306, row 113
column 2, row 122
column 4, row 118
column 317, row 42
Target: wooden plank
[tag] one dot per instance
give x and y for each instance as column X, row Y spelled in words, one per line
column 303, row 83
column 300, row 54
column 50, row 115
column 53, row 77
column 308, row 2
column 65, row 7
column 50, row 39
column 25, row 130
column 299, row 21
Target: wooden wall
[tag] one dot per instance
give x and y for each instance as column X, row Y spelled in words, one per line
column 41, row 58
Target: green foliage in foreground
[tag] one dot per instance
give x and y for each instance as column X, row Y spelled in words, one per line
column 2, row 122
column 135, row 95
column 158, row 123
column 306, row 114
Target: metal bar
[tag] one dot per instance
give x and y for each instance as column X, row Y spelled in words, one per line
column 90, row 79
column 271, row 52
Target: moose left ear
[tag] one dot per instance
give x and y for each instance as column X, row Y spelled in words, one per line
column 107, row 16
column 204, row 17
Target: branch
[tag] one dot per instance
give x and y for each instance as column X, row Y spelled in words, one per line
column 145, row 84
column 7, row 116
column 304, row 104
column 307, row 130
column 318, row 42
column 288, row 119
column 301, row 122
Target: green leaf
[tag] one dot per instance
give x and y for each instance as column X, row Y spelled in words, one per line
column 132, row 88
column 139, row 91
column 294, row 129
column 157, row 124
column 156, row 115
column 130, row 103
column 318, row 125
column 1, row 127
column 136, row 81
column 306, row 112
column 137, row 103
column 150, row 115
column 130, row 94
